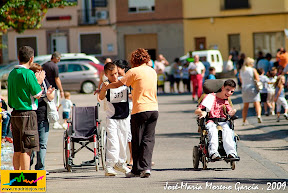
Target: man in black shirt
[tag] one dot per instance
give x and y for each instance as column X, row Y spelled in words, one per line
column 52, row 75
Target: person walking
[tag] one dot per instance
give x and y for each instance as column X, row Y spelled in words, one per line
column 143, row 80
column 42, row 120
column 197, row 72
column 23, row 92
column 52, row 74
column 280, row 97
column 250, row 94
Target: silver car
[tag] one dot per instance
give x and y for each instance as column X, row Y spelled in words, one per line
column 78, row 76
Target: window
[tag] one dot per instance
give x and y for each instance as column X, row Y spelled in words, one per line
column 236, row 4
column 74, row 68
column 212, row 58
column 99, row 3
column 61, row 68
column 91, row 44
column 268, row 42
column 27, row 41
column 141, row 5
column 234, row 42
column 85, row 67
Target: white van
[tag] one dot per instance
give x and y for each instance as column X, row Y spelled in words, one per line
column 214, row 57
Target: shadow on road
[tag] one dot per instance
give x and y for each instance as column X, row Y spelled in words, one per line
column 177, row 135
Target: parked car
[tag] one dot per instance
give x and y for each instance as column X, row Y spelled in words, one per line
column 99, row 67
column 67, row 57
column 78, row 76
column 4, row 72
column 214, row 57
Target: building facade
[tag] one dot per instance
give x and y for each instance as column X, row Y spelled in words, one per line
column 88, row 28
column 248, row 25
column 156, row 25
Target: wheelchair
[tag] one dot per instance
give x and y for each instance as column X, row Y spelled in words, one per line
column 200, row 152
column 83, row 129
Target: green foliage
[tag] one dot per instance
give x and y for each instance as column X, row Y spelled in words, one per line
column 26, row 14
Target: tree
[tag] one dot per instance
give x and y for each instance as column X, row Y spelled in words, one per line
column 26, row 14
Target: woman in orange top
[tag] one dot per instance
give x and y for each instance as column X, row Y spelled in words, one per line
column 143, row 80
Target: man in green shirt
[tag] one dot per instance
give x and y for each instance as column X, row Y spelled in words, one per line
column 23, row 92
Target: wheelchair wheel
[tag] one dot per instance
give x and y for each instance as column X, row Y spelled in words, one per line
column 233, row 165
column 64, row 150
column 196, row 157
column 102, row 147
column 204, row 162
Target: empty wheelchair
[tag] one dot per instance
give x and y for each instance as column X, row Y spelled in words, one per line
column 84, row 128
column 200, row 152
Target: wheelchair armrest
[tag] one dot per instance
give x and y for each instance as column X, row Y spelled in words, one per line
column 234, row 117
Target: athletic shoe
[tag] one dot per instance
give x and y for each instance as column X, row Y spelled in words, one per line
column 131, row 175
column 9, row 139
column 278, row 119
column 109, row 171
column 216, row 156
column 272, row 113
column 286, row 116
column 121, row 167
column 266, row 113
column 145, row 174
column 259, row 120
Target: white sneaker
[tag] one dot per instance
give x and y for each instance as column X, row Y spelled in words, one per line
column 109, row 171
column 216, row 156
column 121, row 167
column 57, row 125
column 145, row 174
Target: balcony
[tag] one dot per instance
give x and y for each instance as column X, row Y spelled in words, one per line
column 92, row 16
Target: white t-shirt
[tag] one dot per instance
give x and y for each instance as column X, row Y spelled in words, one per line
column 198, row 67
column 67, row 104
column 270, row 86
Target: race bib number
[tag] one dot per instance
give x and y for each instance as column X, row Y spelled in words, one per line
column 118, row 95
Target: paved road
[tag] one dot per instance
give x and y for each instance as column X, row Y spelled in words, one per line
column 263, row 151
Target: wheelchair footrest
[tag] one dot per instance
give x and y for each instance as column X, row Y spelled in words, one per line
column 232, row 159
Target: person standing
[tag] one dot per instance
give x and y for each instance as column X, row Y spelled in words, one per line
column 197, row 72
column 23, row 92
column 143, row 80
column 52, row 75
column 265, row 64
column 118, row 120
column 42, row 120
column 250, row 94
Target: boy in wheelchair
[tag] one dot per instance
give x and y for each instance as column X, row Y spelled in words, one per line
column 216, row 108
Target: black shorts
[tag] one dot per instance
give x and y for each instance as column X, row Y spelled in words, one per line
column 186, row 81
column 263, row 97
column 25, row 131
column 177, row 80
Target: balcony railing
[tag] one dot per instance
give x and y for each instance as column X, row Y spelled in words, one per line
column 91, row 16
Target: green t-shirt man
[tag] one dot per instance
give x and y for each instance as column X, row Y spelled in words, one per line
column 22, row 89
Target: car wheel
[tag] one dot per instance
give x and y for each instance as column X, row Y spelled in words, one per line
column 88, row 87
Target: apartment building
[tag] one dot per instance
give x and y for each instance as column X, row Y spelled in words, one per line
column 88, row 28
column 248, row 25
column 156, row 25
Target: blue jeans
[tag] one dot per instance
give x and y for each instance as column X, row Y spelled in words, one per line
column 43, row 130
column 5, row 125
